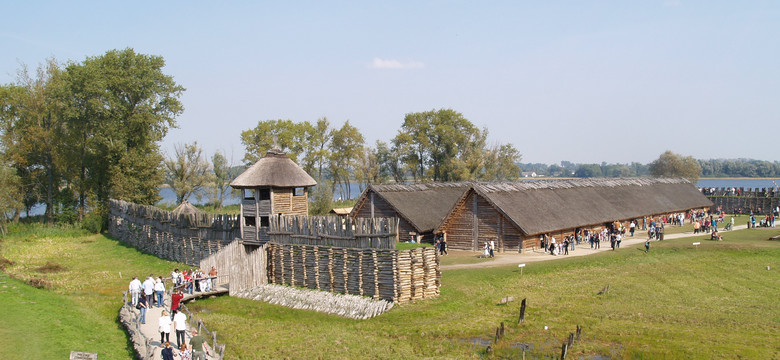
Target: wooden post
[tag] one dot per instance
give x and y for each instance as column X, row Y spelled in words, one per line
column 564, row 350
column 522, row 312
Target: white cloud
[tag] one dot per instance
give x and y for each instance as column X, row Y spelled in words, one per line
column 395, row 64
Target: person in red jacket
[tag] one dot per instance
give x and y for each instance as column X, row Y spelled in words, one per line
column 175, row 299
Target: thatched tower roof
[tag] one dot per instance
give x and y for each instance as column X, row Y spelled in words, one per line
column 275, row 169
column 185, row 208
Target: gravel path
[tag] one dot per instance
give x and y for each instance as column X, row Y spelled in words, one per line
column 503, row 259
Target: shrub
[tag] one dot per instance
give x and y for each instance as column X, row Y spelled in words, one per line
column 94, row 223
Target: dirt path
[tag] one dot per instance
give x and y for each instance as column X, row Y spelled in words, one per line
column 583, row 249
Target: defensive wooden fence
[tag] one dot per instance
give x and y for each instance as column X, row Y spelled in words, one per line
column 239, row 267
column 361, row 233
column 394, row 275
column 183, row 238
column 759, row 200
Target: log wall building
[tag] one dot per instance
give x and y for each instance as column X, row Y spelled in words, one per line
column 760, row 201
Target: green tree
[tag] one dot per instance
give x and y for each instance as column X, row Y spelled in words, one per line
column 317, row 149
column 10, row 195
column 588, row 170
column 288, row 136
column 32, row 120
column 345, row 149
column 188, row 171
column 222, row 177
column 122, row 105
column 670, row 164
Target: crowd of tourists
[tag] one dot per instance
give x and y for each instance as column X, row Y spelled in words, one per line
column 150, row 293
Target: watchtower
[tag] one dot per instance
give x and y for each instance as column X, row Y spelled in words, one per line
column 273, row 186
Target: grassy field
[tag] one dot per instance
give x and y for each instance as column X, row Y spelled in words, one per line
column 74, row 304
column 717, row 301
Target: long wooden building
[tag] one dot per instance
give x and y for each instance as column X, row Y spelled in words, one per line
column 419, row 207
column 514, row 215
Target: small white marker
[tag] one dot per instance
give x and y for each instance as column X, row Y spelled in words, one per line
column 696, row 244
column 521, row 266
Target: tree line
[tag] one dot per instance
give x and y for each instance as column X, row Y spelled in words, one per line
column 74, row 135
column 435, row 145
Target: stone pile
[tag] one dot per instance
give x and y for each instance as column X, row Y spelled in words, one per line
column 349, row 306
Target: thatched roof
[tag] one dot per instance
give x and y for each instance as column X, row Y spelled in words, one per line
column 275, row 169
column 538, row 207
column 341, row 211
column 185, row 208
column 422, row 205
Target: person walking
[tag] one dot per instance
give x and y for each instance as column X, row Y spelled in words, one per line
column 566, row 246
column 143, row 304
column 159, row 290
column 176, row 299
column 180, row 325
column 167, row 351
column 185, row 353
column 647, row 246
column 149, row 289
column 135, row 290
column 199, row 346
column 492, row 248
column 164, row 326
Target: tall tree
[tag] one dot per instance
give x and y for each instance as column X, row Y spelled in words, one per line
column 222, row 177
column 288, row 136
column 346, row 148
column 122, row 106
column 10, row 195
column 318, row 140
column 32, row 119
column 188, row 171
column 670, row 164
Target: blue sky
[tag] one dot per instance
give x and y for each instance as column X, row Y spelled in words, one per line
column 582, row 81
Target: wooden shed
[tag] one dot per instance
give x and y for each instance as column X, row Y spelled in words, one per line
column 273, row 186
column 514, row 215
column 419, row 207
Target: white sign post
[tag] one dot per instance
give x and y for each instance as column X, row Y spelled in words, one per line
column 696, row 244
column 521, row 266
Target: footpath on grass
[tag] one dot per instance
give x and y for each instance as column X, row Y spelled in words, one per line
column 150, row 329
column 583, row 249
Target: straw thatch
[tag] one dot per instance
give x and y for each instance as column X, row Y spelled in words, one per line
column 538, row 207
column 185, row 208
column 423, row 206
column 276, row 170
column 341, row 211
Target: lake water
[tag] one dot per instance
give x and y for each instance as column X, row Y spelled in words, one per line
column 168, row 196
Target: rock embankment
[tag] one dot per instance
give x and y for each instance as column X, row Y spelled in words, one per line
column 349, row 306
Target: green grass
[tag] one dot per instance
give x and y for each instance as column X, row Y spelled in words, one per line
column 78, row 306
column 714, row 301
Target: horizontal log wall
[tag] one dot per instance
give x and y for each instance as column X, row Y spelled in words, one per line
column 393, row 275
column 183, row 238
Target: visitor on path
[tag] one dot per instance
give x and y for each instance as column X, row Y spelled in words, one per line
column 632, row 227
column 492, row 248
column 142, row 306
column 167, row 351
column 486, row 248
column 542, row 244
column 647, row 246
column 159, row 290
column 164, row 326
column 199, row 346
column 149, row 289
column 188, row 281
column 443, row 246
column 213, row 276
column 176, row 299
column 618, row 239
column 175, row 277
column 180, row 325
column 185, row 353
column 135, row 290
column 566, row 246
